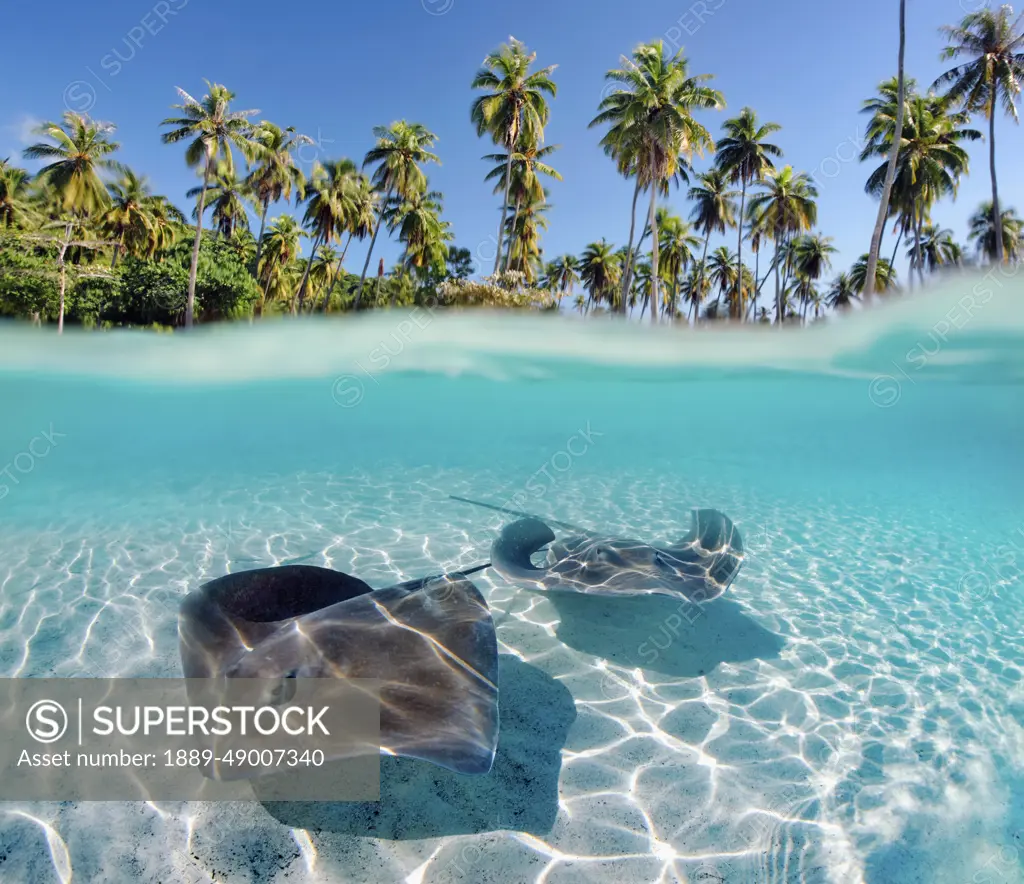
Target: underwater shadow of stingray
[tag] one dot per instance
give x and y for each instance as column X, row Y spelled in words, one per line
column 420, row 800
column 637, row 632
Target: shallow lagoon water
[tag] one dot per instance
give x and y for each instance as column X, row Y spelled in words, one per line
column 852, row 709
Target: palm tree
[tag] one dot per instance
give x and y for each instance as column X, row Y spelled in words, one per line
column 697, row 287
column 885, row 275
column 843, row 291
column 279, row 253
column 652, row 131
column 929, row 164
column 135, row 219
column 80, row 149
column 15, row 206
column 937, row 248
column 883, row 206
column 786, row 207
column 79, row 152
column 993, row 76
column 422, row 231
column 323, row 271
column 676, row 253
column 214, row 130
column 599, row 270
column 524, row 235
column 400, row 150
column 526, row 186
column 513, row 110
column 990, row 245
column 722, row 273
column 276, row 174
column 744, row 157
column 329, row 194
column 562, row 274
column 229, row 197
column 812, row 256
column 715, row 207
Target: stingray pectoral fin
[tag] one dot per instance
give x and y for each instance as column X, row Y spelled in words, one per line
column 715, row 542
column 517, row 542
column 226, row 617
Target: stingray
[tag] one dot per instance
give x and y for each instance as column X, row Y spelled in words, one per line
column 699, row 566
column 430, row 642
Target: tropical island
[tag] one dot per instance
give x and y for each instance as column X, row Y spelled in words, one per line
column 85, row 241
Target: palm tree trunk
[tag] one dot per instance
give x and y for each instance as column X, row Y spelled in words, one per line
column 373, row 242
column 920, row 254
column 504, row 207
column 778, row 286
column 654, row 256
column 63, row 276
column 117, row 250
column 337, row 276
column 739, row 247
column 703, row 268
column 263, row 227
column 309, row 266
column 193, row 270
column 627, row 271
column 511, row 235
column 997, row 218
column 890, row 172
column 899, row 239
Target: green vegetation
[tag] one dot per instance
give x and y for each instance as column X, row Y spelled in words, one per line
column 85, row 240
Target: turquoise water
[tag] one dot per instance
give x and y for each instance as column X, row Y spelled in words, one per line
column 851, row 710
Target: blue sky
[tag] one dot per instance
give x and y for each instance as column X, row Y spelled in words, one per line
column 335, row 71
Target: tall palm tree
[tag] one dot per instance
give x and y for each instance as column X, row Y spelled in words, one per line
column 79, row 150
column 329, row 194
column 400, row 150
column 15, row 204
column 212, row 130
column 276, row 174
column 524, row 235
column 993, row 76
column 885, row 275
column 843, row 292
column 228, row 197
column 676, row 251
column 883, row 206
column 989, row 243
column 722, row 272
column 526, row 185
column 929, row 162
column 786, row 207
column 652, row 129
column 513, row 109
column 714, row 207
column 745, row 157
column 599, row 271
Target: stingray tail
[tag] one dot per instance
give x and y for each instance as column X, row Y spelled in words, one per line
column 518, row 513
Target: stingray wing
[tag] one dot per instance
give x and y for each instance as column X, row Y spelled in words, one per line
column 715, row 546
column 228, row 616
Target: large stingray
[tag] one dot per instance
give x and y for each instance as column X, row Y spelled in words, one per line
column 699, row 566
column 430, row 642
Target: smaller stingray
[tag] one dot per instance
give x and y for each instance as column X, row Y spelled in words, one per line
column 699, row 566
column 430, row 642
